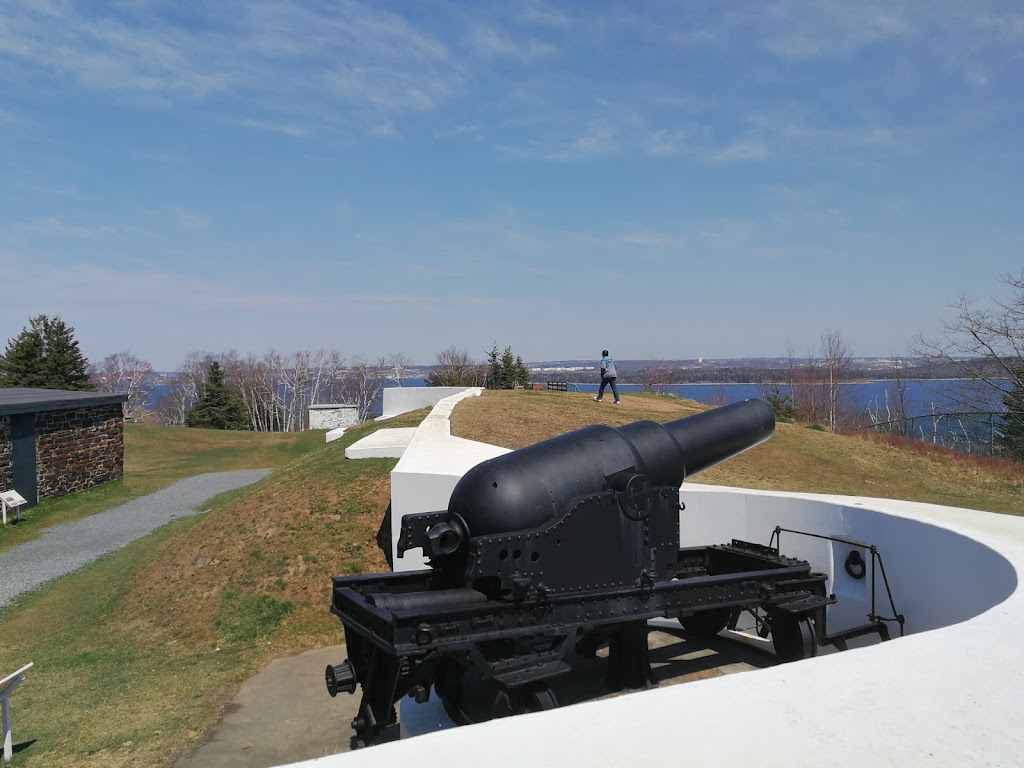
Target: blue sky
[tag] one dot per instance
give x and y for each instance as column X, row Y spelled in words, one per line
column 665, row 179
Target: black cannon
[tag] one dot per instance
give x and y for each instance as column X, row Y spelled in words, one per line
column 556, row 549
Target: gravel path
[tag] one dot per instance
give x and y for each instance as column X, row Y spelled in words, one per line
column 67, row 547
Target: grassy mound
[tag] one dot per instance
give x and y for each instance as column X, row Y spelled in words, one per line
column 137, row 654
column 794, row 459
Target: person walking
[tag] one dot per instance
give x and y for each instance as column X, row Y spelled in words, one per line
column 608, row 377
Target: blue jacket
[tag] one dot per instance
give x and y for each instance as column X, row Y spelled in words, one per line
column 608, row 368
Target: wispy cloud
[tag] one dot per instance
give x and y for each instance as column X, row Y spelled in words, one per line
column 652, row 240
column 51, row 226
column 352, row 68
column 336, row 63
column 489, row 43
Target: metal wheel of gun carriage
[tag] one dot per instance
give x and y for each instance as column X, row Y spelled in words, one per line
column 557, row 549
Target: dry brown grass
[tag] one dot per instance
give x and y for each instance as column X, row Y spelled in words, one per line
column 131, row 666
column 795, row 459
column 127, row 671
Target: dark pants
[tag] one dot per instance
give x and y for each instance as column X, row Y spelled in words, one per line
column 605, row 383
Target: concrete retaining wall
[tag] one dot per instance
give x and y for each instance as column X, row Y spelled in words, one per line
column 434, row 461
column 398, row 400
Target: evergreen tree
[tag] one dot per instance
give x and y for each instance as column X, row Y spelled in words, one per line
column 1011, row 439
column 45, row 355
column 219, row 407
column 508, row 365
column 506, row 371
column 493, row 368
column 781, row 403
column 520, row 374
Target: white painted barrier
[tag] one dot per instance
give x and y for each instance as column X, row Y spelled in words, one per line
column 399, row 400
column 7, row 686
column 433, row 462
column 938, row 576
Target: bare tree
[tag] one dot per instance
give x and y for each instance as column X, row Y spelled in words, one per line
column 893, row 413
column 258, row 389
column 985, row 342
column 124, row 373
column 456, row 368
column 400, row 365
column 836, row 363
column 718, row 397
column 277, row 389
column 658, row 377
column 182, row 389
column 362, row 382
column 805, row 387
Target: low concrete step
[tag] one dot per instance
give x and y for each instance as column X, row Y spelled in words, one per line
column 382, row 444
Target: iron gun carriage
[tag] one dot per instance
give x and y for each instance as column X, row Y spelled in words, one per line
column 556, row 549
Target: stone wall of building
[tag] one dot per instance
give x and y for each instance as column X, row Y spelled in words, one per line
column 333, row 416
column 6, row 454
column 78, row 448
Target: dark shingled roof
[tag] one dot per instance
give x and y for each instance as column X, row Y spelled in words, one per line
column 28, row 400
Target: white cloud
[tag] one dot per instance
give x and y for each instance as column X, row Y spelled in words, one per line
column 336, row 63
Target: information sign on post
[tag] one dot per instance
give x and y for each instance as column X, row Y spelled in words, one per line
column 12, row 500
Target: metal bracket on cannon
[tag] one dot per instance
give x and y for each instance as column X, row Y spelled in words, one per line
column 439, row 534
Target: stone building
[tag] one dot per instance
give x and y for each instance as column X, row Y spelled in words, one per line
column 333, row 416
column 54, row 442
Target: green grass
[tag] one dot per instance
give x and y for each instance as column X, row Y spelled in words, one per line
column 137, row 653
column 247, row 618
column 98, row 694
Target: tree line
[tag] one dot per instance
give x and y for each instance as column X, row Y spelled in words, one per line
column 271, row 393
column 455, row 367
column 984, row 343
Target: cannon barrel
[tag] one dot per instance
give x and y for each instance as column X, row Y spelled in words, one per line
column 526, row 488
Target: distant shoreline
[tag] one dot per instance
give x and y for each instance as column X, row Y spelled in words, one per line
column 765, row 383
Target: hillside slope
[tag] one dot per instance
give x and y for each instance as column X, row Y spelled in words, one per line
column 794, row 459
column 139, row 653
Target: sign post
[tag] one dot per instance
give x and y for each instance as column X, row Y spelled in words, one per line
column 11, row 500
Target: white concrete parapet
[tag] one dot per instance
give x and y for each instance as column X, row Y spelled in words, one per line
column 382, row 444
column 398, row 400
column 434, row 461
column 950, row 693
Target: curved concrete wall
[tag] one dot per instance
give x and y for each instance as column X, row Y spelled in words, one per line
column 949, row 696
column 938, row 577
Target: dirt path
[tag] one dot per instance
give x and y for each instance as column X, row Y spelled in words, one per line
column 280, row 716
column 63, row 548
column 284, row 714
